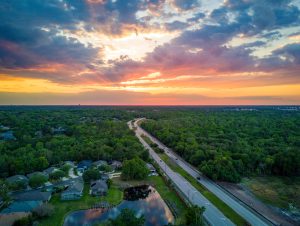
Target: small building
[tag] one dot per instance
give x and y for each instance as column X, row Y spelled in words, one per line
column 21, row 207
column 151, row 168
column 50, row 170
column 98, row 188
column 17, row 179
column 32, row 195
column 7, row 135
column 116, row 165
column 4, row 128
column 84, row 165
column 100, row 163
column 58, row 130
column 73, row 192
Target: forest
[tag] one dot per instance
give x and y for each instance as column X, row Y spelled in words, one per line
column 230, row 143
column 225, row 143
column 46, row 136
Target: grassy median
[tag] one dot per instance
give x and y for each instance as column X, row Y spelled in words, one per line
column 223, row 207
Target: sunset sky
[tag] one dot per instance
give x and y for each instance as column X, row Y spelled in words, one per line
column 154, row 52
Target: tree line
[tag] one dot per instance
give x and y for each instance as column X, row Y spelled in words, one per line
column 227, row 145
column 85, row 134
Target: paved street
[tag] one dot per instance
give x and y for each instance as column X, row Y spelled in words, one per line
column 212, row 214
column 236, row 205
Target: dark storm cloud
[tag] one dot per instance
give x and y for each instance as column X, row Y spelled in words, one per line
column 29, row 33
column 38, row 13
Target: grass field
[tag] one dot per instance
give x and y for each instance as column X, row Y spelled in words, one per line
column 223, row 207
column 62, row 208
column 277, row 191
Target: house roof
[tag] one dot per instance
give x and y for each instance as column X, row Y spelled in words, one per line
column 84, row 163
column 32, row 195
column 8, row 135
column 75, row 187
column 150, row 167
column 16, row 178
column 99, row 185
column 50, row 170
column 24, row 206
column 100, row 163
column 116, row 164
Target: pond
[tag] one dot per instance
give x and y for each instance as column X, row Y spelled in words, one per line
column 143, row 200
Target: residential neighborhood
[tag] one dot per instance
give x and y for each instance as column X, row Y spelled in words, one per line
column 24, row 199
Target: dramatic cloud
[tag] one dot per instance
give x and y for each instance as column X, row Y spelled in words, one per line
column 191, row 46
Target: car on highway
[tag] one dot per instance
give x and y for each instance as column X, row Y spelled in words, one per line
column 198, row 178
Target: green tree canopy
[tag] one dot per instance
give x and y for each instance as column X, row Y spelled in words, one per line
column 90, row 175
column 37, row 180
column 134, row 169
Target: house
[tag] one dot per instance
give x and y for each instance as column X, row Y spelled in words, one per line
column 74, row 191
column 17, row 179
column 84, row 165
column 50, row 170
column 21, row 206
column 152, row 170
column 32, row 195
column 116, row 164
column 98, row 188
column 58, row 130
column 4, row 128
column 7, row 135
column 36, row 174
column 99, row 163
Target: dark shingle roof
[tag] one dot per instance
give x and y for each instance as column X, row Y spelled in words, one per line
column 99, row 185
column 16, row 178
column 24, row 206
column 76, row 187
column 84, row 164
column 33, row 195
column 50, row 170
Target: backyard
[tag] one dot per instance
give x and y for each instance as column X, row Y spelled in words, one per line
column 62, row 208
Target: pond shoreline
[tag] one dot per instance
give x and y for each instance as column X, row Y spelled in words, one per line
column 144, row 200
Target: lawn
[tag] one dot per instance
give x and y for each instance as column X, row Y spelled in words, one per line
column 62, row 208
column 277, row 191
column 223, row 207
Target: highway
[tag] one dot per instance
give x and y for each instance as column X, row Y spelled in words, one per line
column 214, row 216
column 236, row 205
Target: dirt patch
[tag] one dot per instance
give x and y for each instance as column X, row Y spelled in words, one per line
column 246, row 196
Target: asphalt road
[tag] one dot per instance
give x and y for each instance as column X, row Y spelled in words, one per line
column 214, row 216
column 236, row 205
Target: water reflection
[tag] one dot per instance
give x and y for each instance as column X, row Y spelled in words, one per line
column 144, row 200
